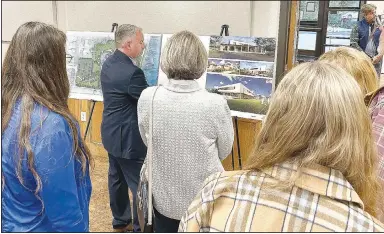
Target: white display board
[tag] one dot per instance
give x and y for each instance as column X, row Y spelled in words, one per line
column 86, row 53
column 241, row 69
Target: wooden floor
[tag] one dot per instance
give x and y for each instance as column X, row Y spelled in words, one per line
column 99, row 211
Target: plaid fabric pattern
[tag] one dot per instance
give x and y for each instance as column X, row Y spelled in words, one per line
column 376, row 109
column 321, row 200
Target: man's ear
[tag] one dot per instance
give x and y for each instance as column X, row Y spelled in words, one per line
column 127, row 44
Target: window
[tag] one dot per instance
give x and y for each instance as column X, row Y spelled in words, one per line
column 307, row 40
column 309, row 11
column 340, row 24
column 344, row 4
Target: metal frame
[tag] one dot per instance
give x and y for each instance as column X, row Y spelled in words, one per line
column 321, row 27
column 282, row 42
column 325, row 21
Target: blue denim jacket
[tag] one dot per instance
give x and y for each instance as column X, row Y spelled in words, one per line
column 363, row 31
column 65, row 193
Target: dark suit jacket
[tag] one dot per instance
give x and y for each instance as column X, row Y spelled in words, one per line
column 122, row 83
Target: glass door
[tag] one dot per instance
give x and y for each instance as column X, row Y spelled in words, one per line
column 310, row 30
column 341, row 18
column 325, row 25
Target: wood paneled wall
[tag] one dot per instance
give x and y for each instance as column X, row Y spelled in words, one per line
column 247, row 130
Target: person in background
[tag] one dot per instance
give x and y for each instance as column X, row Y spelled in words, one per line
column 365, row 36
column 192, row 130
column 45, row 163
column 122, row 83
column 314, row 168
column 357, row 64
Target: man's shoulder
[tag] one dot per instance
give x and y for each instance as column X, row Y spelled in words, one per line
column 116, row 67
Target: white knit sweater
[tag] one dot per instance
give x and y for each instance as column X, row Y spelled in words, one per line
column 192, row 132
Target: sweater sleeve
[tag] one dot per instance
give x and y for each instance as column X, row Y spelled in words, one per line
column 142, row 115
column 54, row 162
column 224, row 129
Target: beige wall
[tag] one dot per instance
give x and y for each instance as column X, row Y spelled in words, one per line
column 244, row 18
column 265, row 18
column 4, row 47
column 16, row 13
column 200, row 17
column 380, row 6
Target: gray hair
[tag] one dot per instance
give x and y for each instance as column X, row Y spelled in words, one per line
column 184, row 57
column 366, row 8
column 124, row 32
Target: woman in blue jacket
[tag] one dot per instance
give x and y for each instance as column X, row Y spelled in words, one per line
column 45, row 164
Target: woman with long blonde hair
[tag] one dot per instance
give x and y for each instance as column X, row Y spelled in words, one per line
column 45, row 163
column 313, row 169
column 357, row 64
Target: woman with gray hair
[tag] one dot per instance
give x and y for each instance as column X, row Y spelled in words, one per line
column 192, row 130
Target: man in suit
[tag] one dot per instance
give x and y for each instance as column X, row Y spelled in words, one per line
column 122, row 83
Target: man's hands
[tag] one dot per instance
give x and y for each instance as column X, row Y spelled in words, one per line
column 377, row 59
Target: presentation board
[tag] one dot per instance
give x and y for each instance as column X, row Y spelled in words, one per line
column 241, row 69
column 86, row 53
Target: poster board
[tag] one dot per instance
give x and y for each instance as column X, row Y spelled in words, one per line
column 86, row 53
column 241, row 69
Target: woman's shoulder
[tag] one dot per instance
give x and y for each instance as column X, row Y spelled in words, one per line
column 229, row 181
column 147, row 92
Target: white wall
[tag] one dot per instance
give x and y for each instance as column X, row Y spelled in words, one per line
column 380, row 6
column 15, row 13
column 202, row 18
column 265, row 18
column 244, row 18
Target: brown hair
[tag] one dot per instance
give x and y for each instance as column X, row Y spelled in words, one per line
column 324, row 121
column 34, row 71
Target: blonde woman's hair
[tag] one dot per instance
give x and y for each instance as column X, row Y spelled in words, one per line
column 184, row 57
column 357, row 64
column 317, row 116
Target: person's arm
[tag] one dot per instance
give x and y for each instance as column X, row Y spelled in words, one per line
column 224, row 129
column 54, row 160
column 355, row 38
column 137, row 84
column 380, row 48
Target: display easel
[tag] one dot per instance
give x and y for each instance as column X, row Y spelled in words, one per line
column 224, row 29
column 114, row 25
